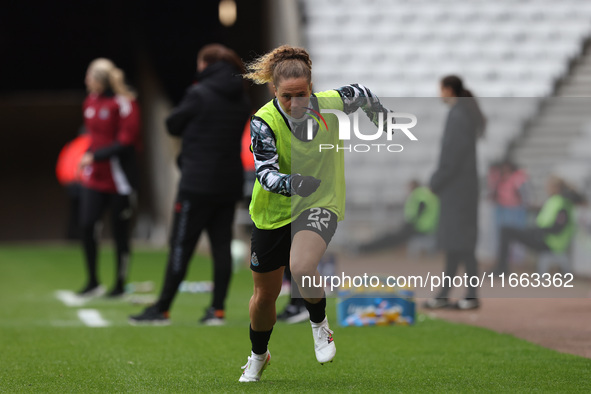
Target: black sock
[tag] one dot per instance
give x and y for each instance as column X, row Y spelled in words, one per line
column 296, row 301
column 317, row 311
column 122, row 267
column 260, row 340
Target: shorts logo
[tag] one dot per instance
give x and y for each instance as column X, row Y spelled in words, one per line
column 254, row 260
column 316, row 225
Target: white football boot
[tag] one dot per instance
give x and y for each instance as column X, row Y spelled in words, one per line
column 254, row 367
column 323, row 342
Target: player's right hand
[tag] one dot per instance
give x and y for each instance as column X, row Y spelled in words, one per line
column 304, row 185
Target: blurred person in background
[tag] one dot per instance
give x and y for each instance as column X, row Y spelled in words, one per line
column 508, row 188
column 295, row 310
column 297, row 201
column 108, row 168
column 68, row 175
column 555, row 225
column 421, row 215
column 210, row 122
column 455, row 182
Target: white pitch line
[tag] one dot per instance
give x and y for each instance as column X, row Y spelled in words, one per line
column 69, row 298
column 92, row 318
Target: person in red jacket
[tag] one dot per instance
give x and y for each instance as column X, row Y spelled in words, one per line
column 108, row 168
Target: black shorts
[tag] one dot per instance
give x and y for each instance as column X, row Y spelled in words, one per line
column 270, row 248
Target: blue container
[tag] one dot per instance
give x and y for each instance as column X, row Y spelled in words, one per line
column 376, row 308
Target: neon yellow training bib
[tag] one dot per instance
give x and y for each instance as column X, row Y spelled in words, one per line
column 271, row 210
column 546, row 218
column 427, row 222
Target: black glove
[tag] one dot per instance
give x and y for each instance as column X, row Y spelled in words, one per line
column 304, row 185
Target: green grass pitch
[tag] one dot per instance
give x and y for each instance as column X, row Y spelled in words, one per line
column 44, row 347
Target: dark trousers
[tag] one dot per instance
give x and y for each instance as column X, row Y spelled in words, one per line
column 453, row 259
column 92, row 206
column 74, row 192
column 391, row 240
column 194, row 213
column 530, row 237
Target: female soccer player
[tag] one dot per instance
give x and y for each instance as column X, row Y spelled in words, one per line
column 111, row 116
column 299, row 194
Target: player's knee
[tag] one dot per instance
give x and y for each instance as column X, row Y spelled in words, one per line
column 264, row 298
column 301, row 271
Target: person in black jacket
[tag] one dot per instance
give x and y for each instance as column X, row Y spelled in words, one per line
column 455, row 182
column 210, row 120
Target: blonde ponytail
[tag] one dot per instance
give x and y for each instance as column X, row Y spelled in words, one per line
column 283, row 62
column 109, row 76
column 117, row 81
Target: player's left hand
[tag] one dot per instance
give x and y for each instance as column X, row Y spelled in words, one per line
column 304, row 185
column 86, row 160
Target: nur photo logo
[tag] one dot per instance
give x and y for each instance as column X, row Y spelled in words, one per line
column 349, row 130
